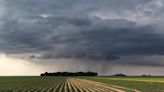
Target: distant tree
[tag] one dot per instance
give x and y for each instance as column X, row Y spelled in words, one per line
column 70, row 74
column 119, row 75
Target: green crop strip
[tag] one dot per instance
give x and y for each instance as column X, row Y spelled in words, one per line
column 144, row 84
column 80, row 84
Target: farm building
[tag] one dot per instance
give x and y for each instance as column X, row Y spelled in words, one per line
column 119, row 75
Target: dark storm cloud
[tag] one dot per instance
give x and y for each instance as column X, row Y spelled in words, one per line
column 69, row 29
column 155, row 60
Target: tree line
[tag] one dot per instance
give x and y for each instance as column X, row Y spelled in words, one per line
column 69, row 74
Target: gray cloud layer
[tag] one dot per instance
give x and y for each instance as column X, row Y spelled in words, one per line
column 83, row 29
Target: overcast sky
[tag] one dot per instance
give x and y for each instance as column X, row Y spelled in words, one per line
column 104, row 36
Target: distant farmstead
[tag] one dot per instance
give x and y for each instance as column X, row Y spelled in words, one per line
column 119, row 75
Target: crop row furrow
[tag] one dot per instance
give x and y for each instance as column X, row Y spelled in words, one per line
column 51, row 89
column 113, row 87
column 102, row 85
column 56, row 89
column 98, row 87
column 84, row 87
column 66, row 87
column 94, row 87
column 74, row 89
column 90, row 87
column 70, row 89
column 79, row 87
